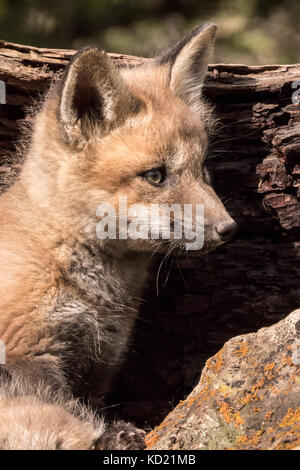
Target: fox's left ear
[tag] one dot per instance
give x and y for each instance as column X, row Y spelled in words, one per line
column 188, row 61
column 93, row 97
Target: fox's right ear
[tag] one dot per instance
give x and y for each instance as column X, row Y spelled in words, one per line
column 93, row 97
column 188, row 61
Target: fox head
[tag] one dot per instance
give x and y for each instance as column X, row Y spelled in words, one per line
column 136, row 135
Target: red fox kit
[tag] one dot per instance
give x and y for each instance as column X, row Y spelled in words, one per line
column 69, row 297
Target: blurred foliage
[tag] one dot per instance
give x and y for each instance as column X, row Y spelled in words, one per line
column 250, row 31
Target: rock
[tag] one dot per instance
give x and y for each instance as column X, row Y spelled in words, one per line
column 248, row 396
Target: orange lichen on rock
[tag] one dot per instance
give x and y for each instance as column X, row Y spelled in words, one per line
column 248, row 398
column 215, row 363
column 151, row 439
column 288, row 360
column 190, row 401
column 250, row 441
column 258, row 385
column 229, row 415
column 241, row 350
column 268, row 368
column 153, row 436
column 292, row 417
column 252, row 395
column 269, row 415
column 206, row 393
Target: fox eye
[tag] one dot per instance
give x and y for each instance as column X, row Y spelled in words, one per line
column 155, row 176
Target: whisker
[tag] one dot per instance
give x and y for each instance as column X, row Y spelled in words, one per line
column 231, row 124
column 168, row 273
column 234, row 138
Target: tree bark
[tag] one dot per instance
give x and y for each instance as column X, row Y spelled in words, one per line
column 249, row 283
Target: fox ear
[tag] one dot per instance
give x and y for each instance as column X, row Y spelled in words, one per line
column 189, row 60
column 93, row 96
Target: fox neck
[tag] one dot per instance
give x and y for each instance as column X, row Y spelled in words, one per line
column 97, row 270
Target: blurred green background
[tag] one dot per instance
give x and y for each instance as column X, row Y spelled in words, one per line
column 250, row 31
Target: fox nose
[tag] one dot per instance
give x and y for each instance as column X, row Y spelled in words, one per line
column 226, row 230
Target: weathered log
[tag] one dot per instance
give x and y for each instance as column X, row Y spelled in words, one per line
column 249, row 283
